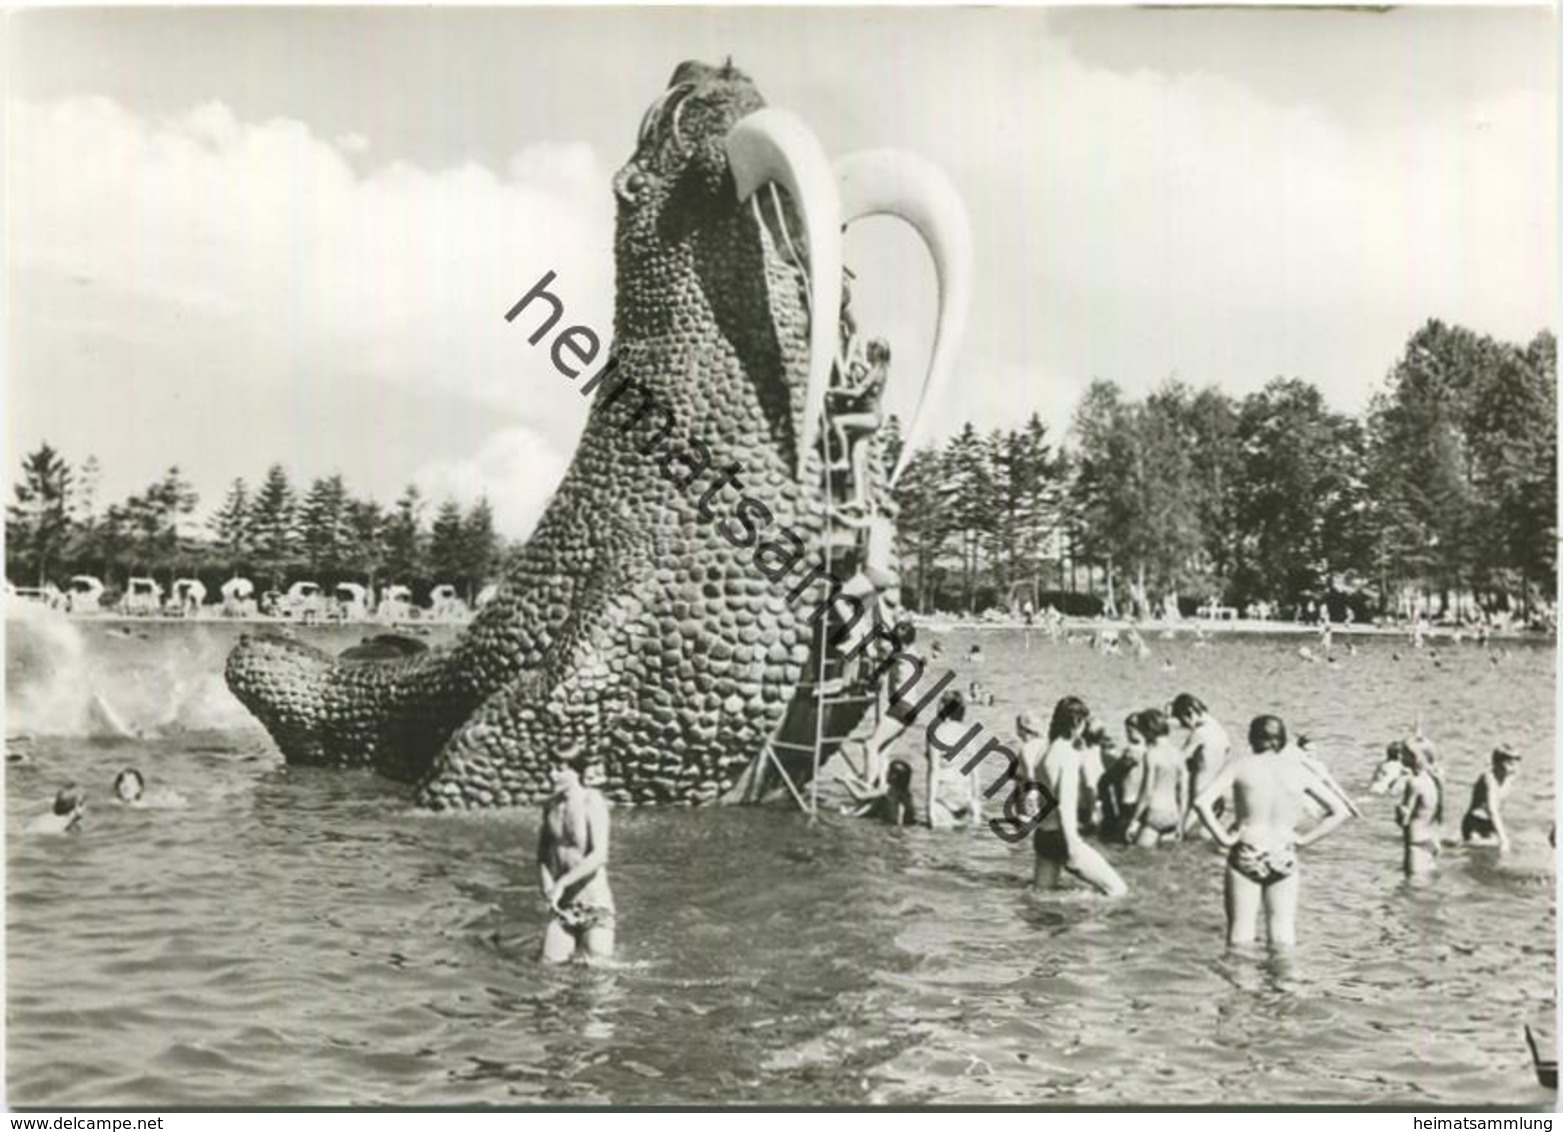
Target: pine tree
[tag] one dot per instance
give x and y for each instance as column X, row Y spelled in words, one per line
column 366, row 535
column 38, row 524
column 274, row 525
column 231, row 526
column 480, row 546
column 405, row 562
column 323, row 531
column 447, row 557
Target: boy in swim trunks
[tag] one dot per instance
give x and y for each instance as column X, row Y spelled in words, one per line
column 1417, row 813
column 1158, row 813
column 1059, row 846
column 572, row 860
column 1268, row 792
column 1483, row 822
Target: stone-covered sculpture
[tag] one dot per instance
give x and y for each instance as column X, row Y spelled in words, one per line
column 633, row 620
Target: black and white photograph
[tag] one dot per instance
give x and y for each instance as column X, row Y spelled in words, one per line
column 781, row 557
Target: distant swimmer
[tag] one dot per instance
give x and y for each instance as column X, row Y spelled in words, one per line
column 1268, row 795
column 1059, row 847
column 1163, row 798
column 1417, row 814
column 572, row 860
column 1207, row 747
column 953, row 799
column 893, row 803
column 977, row 695
column 1483, row 822
column 974, row 654
column 1307, row 654
column 65, row 817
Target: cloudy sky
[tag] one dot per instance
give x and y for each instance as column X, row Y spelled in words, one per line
column 242, row 236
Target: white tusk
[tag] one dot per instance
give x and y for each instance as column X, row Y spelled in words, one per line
column 774, row 146
column 895, row 183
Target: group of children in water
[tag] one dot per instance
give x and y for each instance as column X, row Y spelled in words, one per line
column 1261, row 808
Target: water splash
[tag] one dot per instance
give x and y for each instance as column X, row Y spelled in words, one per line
column 112, row 680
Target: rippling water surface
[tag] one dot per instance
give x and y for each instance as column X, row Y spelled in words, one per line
column 302, row 937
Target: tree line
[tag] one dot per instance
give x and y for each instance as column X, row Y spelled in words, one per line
column 272, row 533
column 1444, row 486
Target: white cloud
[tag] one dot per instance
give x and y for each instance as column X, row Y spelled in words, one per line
column 517, row 470
column 208, row 247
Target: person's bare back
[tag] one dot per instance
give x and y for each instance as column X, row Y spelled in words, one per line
column 1267, row 797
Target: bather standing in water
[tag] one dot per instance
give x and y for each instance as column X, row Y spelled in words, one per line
column 1120, row 786
column 1163, row 799
column 1268, row 791
column 1418, row 813
column 1207, row 749
column 953, row 799
column 1059, row 846
column 572, row 860
column 1483, row 822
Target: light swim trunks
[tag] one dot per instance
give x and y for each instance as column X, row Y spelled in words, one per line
column 1262, row 866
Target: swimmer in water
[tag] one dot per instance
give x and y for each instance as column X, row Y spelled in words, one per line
column 130, row 790
column 1268, row 793
column 1417, row 814
column 1483, row 822
column 977, row 694
column 65, row 816
column 953, row 799
column 1059, row 847
column 129, row 786
column 1206, row 749
column 572, row 860
column 1163, row 800
column 893, row 803
column 974, row 654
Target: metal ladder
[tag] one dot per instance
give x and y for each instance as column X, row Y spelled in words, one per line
column 830, row 683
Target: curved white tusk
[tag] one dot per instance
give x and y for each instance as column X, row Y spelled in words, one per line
column 772, row 145
column 895, row 183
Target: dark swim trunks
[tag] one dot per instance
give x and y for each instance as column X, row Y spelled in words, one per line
column 1262, row 866
column 1050, row 843
column 1477, row 825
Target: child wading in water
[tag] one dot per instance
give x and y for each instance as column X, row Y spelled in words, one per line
column 1158, row 813
column 1057, row 841
column 572, row 860
column 1268, row 793
column 1483, row 823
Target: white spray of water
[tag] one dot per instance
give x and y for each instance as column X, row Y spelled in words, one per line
column 73, row 678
